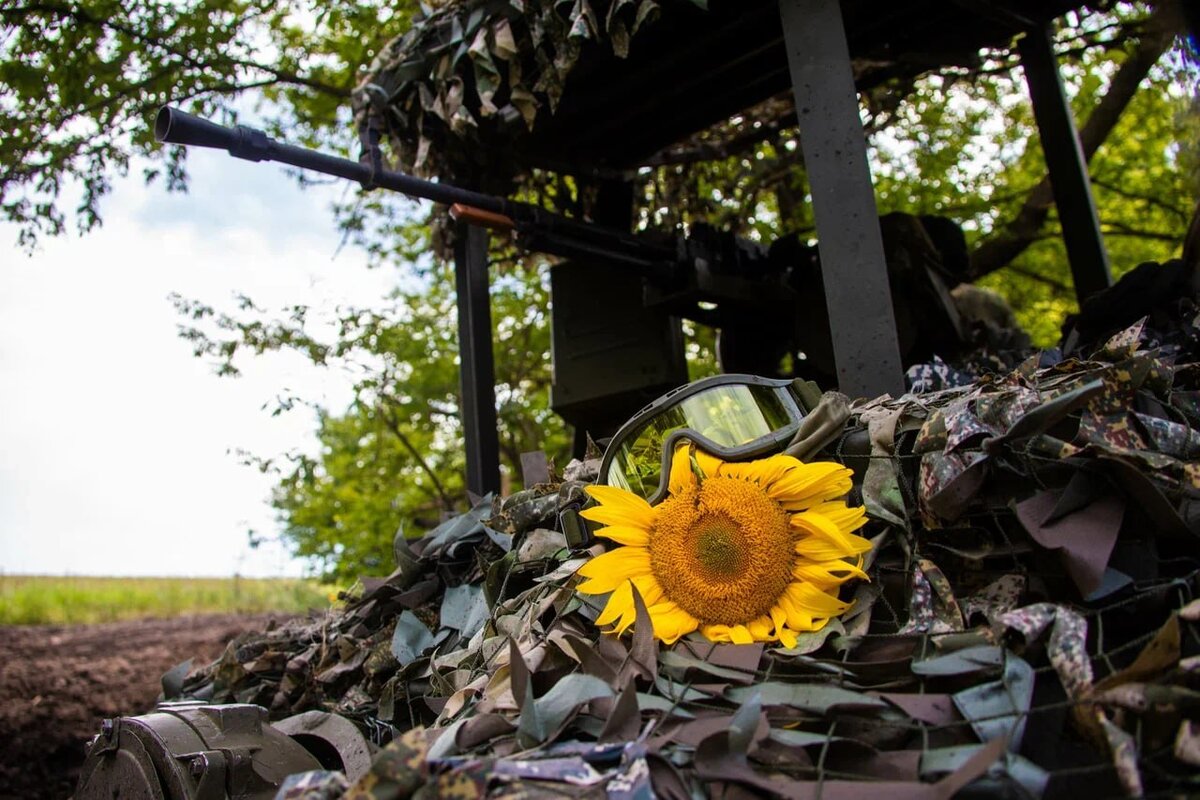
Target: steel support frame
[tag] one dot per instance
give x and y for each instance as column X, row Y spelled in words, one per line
column 1065, row 163
column 857, row 293
column 477, row 371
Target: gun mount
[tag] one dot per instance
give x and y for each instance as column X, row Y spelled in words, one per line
column 197, row 751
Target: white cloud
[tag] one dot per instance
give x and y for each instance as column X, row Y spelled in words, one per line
column 115, row 443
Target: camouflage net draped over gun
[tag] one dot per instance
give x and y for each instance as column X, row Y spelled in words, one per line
column 469, row 71
column 1031, row 627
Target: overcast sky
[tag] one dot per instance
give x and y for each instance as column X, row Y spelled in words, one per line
column 116, row 444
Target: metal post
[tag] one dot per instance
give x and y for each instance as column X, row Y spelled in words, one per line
column 1066, row 165
column 857, row 293
column 477, row 372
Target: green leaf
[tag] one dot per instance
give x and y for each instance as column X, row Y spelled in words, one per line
column 411, row 638
column 961, row 662
column 793, row 738
column 465, row 609
column 806, row 697
column 680, row 663
column 745, row 723
column 652, row 702
column 541, row 718
column 647, row 12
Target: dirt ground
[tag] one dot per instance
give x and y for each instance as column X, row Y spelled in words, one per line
column 58, row 682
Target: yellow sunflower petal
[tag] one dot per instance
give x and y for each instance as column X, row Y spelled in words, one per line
column 847, row 518
column 798, row 618
column 649, row 588
column 810, row 484
column 762, row 629
column 671, row 621
column 778, row 617
column 618, row 507
column 599, row 585
column 815, row 601
column 716, row 633
column 763, row 471
column 625, row 534
column 620, row 605
column 613, row 567
column 709, row 465
column 620, row 610
column 740, row 634
column 682, row 478
column 787, row 637
column 827, row 574
column 627, row 619
column 824, row 540
column 646, row 584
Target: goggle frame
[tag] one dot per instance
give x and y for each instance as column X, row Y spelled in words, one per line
column 773, row 442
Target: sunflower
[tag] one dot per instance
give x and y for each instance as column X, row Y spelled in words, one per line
column 743, row 552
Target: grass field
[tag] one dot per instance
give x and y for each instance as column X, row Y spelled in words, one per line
column 36, row 599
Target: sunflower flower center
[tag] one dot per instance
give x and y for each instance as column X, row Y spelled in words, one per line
column 720, row 545
column 723, row 553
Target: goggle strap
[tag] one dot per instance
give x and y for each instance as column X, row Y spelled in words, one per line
column 808, row 393
column 575, row 529
column 824, row 422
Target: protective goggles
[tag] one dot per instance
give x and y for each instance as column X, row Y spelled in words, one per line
column 733, row 417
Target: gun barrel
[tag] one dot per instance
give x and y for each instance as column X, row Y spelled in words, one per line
column 548, row 232
column 178, row 127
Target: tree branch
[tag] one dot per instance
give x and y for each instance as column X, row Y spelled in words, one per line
column 1153, row 201
column 1121, row 229
column 394, row 426
column 84, row 18
column 1009, row 242
column 1058, row 286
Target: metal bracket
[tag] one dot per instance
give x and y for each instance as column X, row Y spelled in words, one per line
column 369, row 134
column 208, row 769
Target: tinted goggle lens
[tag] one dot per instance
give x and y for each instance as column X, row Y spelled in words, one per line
column 728, row 418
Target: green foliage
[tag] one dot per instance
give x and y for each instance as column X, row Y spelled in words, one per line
column 1140, row 182
column 42, row 600
column 79, row 83
column 962, row 143
column 394, row 460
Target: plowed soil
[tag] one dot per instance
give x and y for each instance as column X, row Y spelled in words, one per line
column 58, row 682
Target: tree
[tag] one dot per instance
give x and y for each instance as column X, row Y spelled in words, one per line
column 962, row 143
column 80, row 81
column 394, row 459
column 83, row 80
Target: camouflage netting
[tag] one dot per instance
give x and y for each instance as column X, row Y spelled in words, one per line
column 472, row 72
column 1030, row 629
column 456, row 93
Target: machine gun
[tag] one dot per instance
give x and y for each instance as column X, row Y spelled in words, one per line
column 618, row 297
column 608, row 365
column 536, row 229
